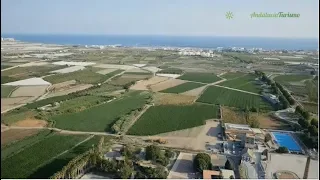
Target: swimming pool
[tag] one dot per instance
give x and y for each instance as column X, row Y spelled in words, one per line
column 286, row 140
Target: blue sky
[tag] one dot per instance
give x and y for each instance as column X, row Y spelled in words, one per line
column 160, row 17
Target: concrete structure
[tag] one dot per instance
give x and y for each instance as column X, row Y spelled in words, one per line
column 208, row 174
column 227, row 174
column 218, row 161
column 271, row 98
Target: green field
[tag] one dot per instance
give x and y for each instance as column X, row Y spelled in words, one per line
column 6, row 79
column 5, row 66
column 245, row 83
column 166, row 118
column 291, row 78
column 182, row 87
column 101, row 117
column 200, row 77
column 171, row 71
column 28, row 160
column 312, row 90
column 86, row 76
column 231, row 75
column 16, row 115
column 311, row 107
column 223, row 96
column 58, row 163
column 6, row 91
column 9, row 149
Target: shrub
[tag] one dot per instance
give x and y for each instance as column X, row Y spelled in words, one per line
column 282, row 149
column 201, row 162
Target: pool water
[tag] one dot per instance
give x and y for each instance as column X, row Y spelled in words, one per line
column 286, row 140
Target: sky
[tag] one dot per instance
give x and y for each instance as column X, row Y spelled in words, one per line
column 160, row 17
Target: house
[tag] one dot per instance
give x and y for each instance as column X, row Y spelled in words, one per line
column 227, row 174
column 218, row 161
column 209, row 174
column 248, row 155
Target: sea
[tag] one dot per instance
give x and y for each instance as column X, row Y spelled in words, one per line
column 171, row 41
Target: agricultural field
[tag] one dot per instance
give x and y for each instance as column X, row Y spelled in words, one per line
column 237, row 116
column 101, row 117
column 244, row 82
column 173, row 99
column 6, row 91
column 171, row 71
column 11, row 148
column 182, row 88
column 232, row 75
column 166, row 84
column 227, row 97
column 166, row 118
column 20, row 73
column 5, row 66
column 128, row 78
column 200, row 77
column 14, row 135
column 59, row 162
column 29, row 91
column 86, row 76
column 311, row 107
column 14, row 116
column 68, row 90
column 27, row 161
column 145, row 84
column 312, row 89
column 284, row 79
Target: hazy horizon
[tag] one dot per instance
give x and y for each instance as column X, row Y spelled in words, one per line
column 166, row 17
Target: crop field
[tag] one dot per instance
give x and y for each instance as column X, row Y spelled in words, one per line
column 173, row 99
column 6, row 90
column 312, row 89
column 15, row 116
column 33, row 91
column 9, row 149
column 86, row 76
column 101, row 117
column 14, row 135
column 245, row 83
column 127, row 78
column 182, row 88
column 311, row 107
column 291, row 78
column 68, row 90
column 231, row 75
column 6, row 79
column 58, row 163
column 27, row 161
column 166, row 118
column 200, row 77
column 227, row 97
column 5, row 66
column 171, row 71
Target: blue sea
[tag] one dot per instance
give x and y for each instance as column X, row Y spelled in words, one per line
column 171, row 41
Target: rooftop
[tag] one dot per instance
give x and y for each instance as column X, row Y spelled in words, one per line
column 242, row 127
column 226, row 174
column 207, row 174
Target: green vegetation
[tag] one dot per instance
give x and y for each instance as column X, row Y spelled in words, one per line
column 232, row 75
column 312, row 90
column 166, row 118
column 138, row 73
column 282, row 149
column 201, row 162
column 6, row 91
column 182, row 87
column 311, row 107
column 101, row 117
column 86, row 76
column 5, row 66
column 200, row 77
column 170, row 71
column 291, row 78
column 27, row 161
column 16, row 115
column 155, row 154
column 245, row 83
column 7, row 79
column 227, row 97
column 10, row 149
column 58, row 163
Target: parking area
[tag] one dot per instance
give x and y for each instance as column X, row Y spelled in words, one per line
column 183, row 167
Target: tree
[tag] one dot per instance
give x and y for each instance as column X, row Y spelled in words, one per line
column 153, row 152
column 267, row 137
column 158, row 173
column 228, row 165
column 298, row 109
column 163, row 160
column 305, row 114
column 168, row 153
column 314, row 122
column 253, row 109
column 303, row 123
column 282, row 149
column 125, row 171
column 231, row 177
column 201, row 162
column 313, row 130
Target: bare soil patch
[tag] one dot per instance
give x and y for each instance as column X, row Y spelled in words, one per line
column 144, row 84
column 166, row 84
column 175, row 99
column 195, row 92
column 68, row 90
column 31, row 122
column 191, row 132
column 34, row 91
column 106, row 71
column 62, row 85
column 8, row 103
column 12, row 135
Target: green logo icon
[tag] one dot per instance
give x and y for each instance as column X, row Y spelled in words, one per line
column 229, row 15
